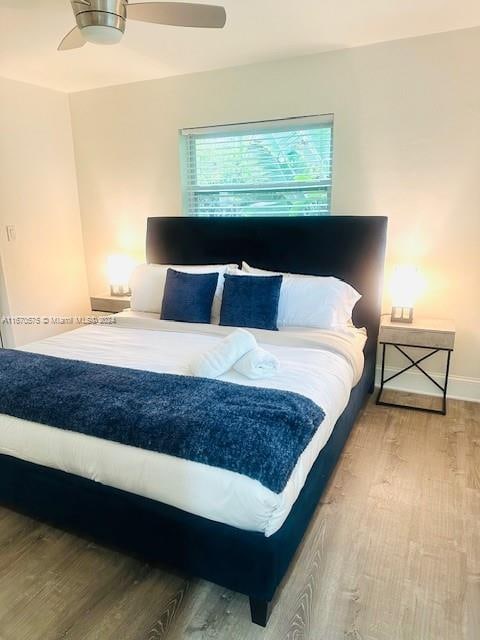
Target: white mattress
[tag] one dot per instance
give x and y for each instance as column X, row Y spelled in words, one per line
column 323, row 366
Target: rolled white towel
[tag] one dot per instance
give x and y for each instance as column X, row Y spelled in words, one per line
column 257, row 364
column 224, row 355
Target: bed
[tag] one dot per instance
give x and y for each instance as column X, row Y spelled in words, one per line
column 210, row 523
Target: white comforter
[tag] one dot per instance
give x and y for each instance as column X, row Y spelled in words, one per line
column 323, row 366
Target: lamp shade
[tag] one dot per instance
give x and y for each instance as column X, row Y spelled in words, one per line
column 406, row 286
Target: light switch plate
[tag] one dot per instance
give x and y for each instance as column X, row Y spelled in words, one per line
column 11, row 233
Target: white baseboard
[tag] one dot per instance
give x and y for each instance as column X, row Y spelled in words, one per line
column 459, row 387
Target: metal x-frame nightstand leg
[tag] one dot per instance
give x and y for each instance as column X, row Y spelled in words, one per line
column 415, row 364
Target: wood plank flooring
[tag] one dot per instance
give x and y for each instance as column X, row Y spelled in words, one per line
column 393, row 553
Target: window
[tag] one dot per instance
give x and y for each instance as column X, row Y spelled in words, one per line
column 276, row 168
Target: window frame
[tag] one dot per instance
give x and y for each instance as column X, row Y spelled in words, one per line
column 187, row 161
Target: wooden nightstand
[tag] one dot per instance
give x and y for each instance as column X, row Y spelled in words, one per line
column 432, row 335
column 108, row 304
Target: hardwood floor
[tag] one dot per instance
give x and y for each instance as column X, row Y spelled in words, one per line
column 393, row 553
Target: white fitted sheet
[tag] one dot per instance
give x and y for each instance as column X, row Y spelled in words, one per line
column 321, row 365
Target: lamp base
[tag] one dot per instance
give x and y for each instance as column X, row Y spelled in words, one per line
column 119, row 291
column 402, row 314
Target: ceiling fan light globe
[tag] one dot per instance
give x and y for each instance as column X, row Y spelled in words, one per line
column 99, row 34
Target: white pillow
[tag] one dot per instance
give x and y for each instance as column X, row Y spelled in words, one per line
column 148, row 286
column 312, row 301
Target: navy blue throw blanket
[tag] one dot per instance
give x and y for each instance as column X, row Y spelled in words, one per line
column 259, row 433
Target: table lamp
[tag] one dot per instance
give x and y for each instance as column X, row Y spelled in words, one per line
column 406, row 286
column 119, row 270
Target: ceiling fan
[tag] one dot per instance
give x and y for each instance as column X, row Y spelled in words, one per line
column 104, row 21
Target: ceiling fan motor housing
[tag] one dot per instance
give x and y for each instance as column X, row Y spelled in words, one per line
column 101, row 13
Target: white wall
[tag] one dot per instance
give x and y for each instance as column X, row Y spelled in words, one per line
column 407, row 145
column 43, row 271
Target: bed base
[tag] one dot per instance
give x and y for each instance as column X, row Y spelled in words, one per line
column 243, row 561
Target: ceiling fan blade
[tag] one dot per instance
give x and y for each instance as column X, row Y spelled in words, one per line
column 73, row 40
column 178, row 14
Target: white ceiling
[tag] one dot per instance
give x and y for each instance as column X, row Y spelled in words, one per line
column 257, row 30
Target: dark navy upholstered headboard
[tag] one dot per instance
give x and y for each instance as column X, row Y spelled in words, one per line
column 349, row 247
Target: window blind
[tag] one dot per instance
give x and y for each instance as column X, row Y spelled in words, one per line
column 276, row 168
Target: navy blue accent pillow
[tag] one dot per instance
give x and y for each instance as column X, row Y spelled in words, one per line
column 251, row 301
column 188, row 297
